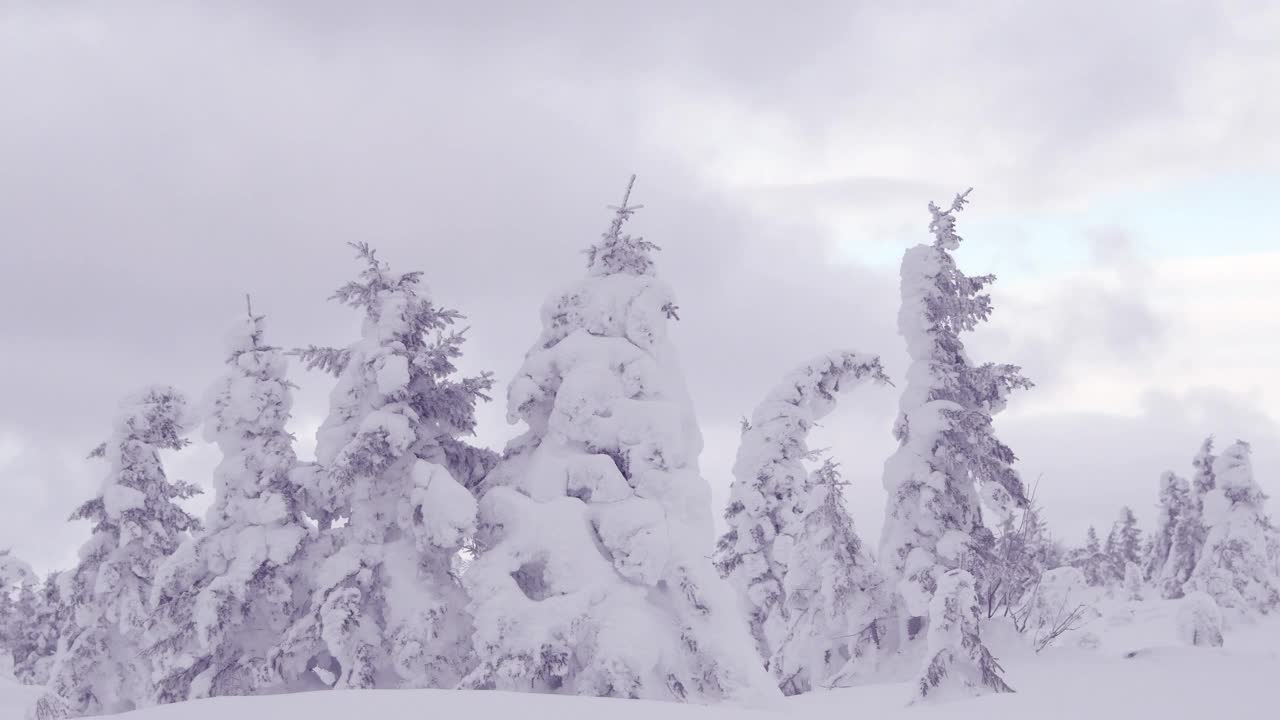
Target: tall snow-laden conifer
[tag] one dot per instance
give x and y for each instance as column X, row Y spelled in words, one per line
column 224, row 597
column 835, row 597
column 1234, row 567
column 1123, row 546
column 594, row 576
column 1174, row 506
column 387, row 609
column 768, row 500
column 948, row 456
column 101, row 667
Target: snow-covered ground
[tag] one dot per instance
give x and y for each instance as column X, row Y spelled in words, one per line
column 1162, row 679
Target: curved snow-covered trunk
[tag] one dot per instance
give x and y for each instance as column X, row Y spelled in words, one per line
column 768, row 499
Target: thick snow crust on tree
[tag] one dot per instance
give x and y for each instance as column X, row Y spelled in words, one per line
column 17, row 599
column 1179, row 534
column 225, row 596
column 949, row 461
column 101, row 666
column 386, row 608
column 32, row 618
column 769, row 497
column 594, row 576
column 957, row 663
column 1200, row 620
column 837, row 601
column 1234, row 568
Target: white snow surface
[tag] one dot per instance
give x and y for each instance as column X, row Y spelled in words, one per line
column 1163, row 679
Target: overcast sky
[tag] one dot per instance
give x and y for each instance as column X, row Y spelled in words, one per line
column 159, row 160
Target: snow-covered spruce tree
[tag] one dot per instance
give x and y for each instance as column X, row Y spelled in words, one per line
column 100, row 667
column 948, row 455
column 1090, row 559
column 1204, row 479
column 33, row 658
column 1174, row 505
column 594, row 576
column 224, row 597
column 835, row 597
column 1186, row 539
column 1123, row 546
column 957, row 664
column 387, row 609
column 768, row 498
column 17, row 607
column 1234, row 568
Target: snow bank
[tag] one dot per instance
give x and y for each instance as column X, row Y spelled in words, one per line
column 1170, row 683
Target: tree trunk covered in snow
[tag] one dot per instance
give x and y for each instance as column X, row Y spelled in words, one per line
column 770, row 503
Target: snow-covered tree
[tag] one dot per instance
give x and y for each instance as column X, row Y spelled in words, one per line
column 31, row 619
column 1123, row 545
column 1055, row 606
column 958, row 664
column 38, row 642
column 594, row 576
column 835, row 596
column 387, row 610
column 1174, row 506
column 1090, row 559
column 948, row 457
column 17, row 601
column 1023, row 551
column 1132, row 581
column 17, row 605
column 1234, row 568
column 769, row 496
column 224, row 597
column 1200, row 620
column 137, row 522
column 1204, row 479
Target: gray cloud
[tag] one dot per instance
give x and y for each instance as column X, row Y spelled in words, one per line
column 163, row 159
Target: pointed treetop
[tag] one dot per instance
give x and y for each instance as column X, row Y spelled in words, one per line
column 943, row 225
column 617, row 253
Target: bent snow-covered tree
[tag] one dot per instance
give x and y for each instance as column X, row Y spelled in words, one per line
column 227, row 595
column 101, row 667
column 594, row 576
column 1234, row 568
column 768, row 500
column 949, row 460
column 836, row 599
column 387, row 610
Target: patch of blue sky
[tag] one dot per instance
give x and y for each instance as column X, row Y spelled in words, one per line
column 1215, row 216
